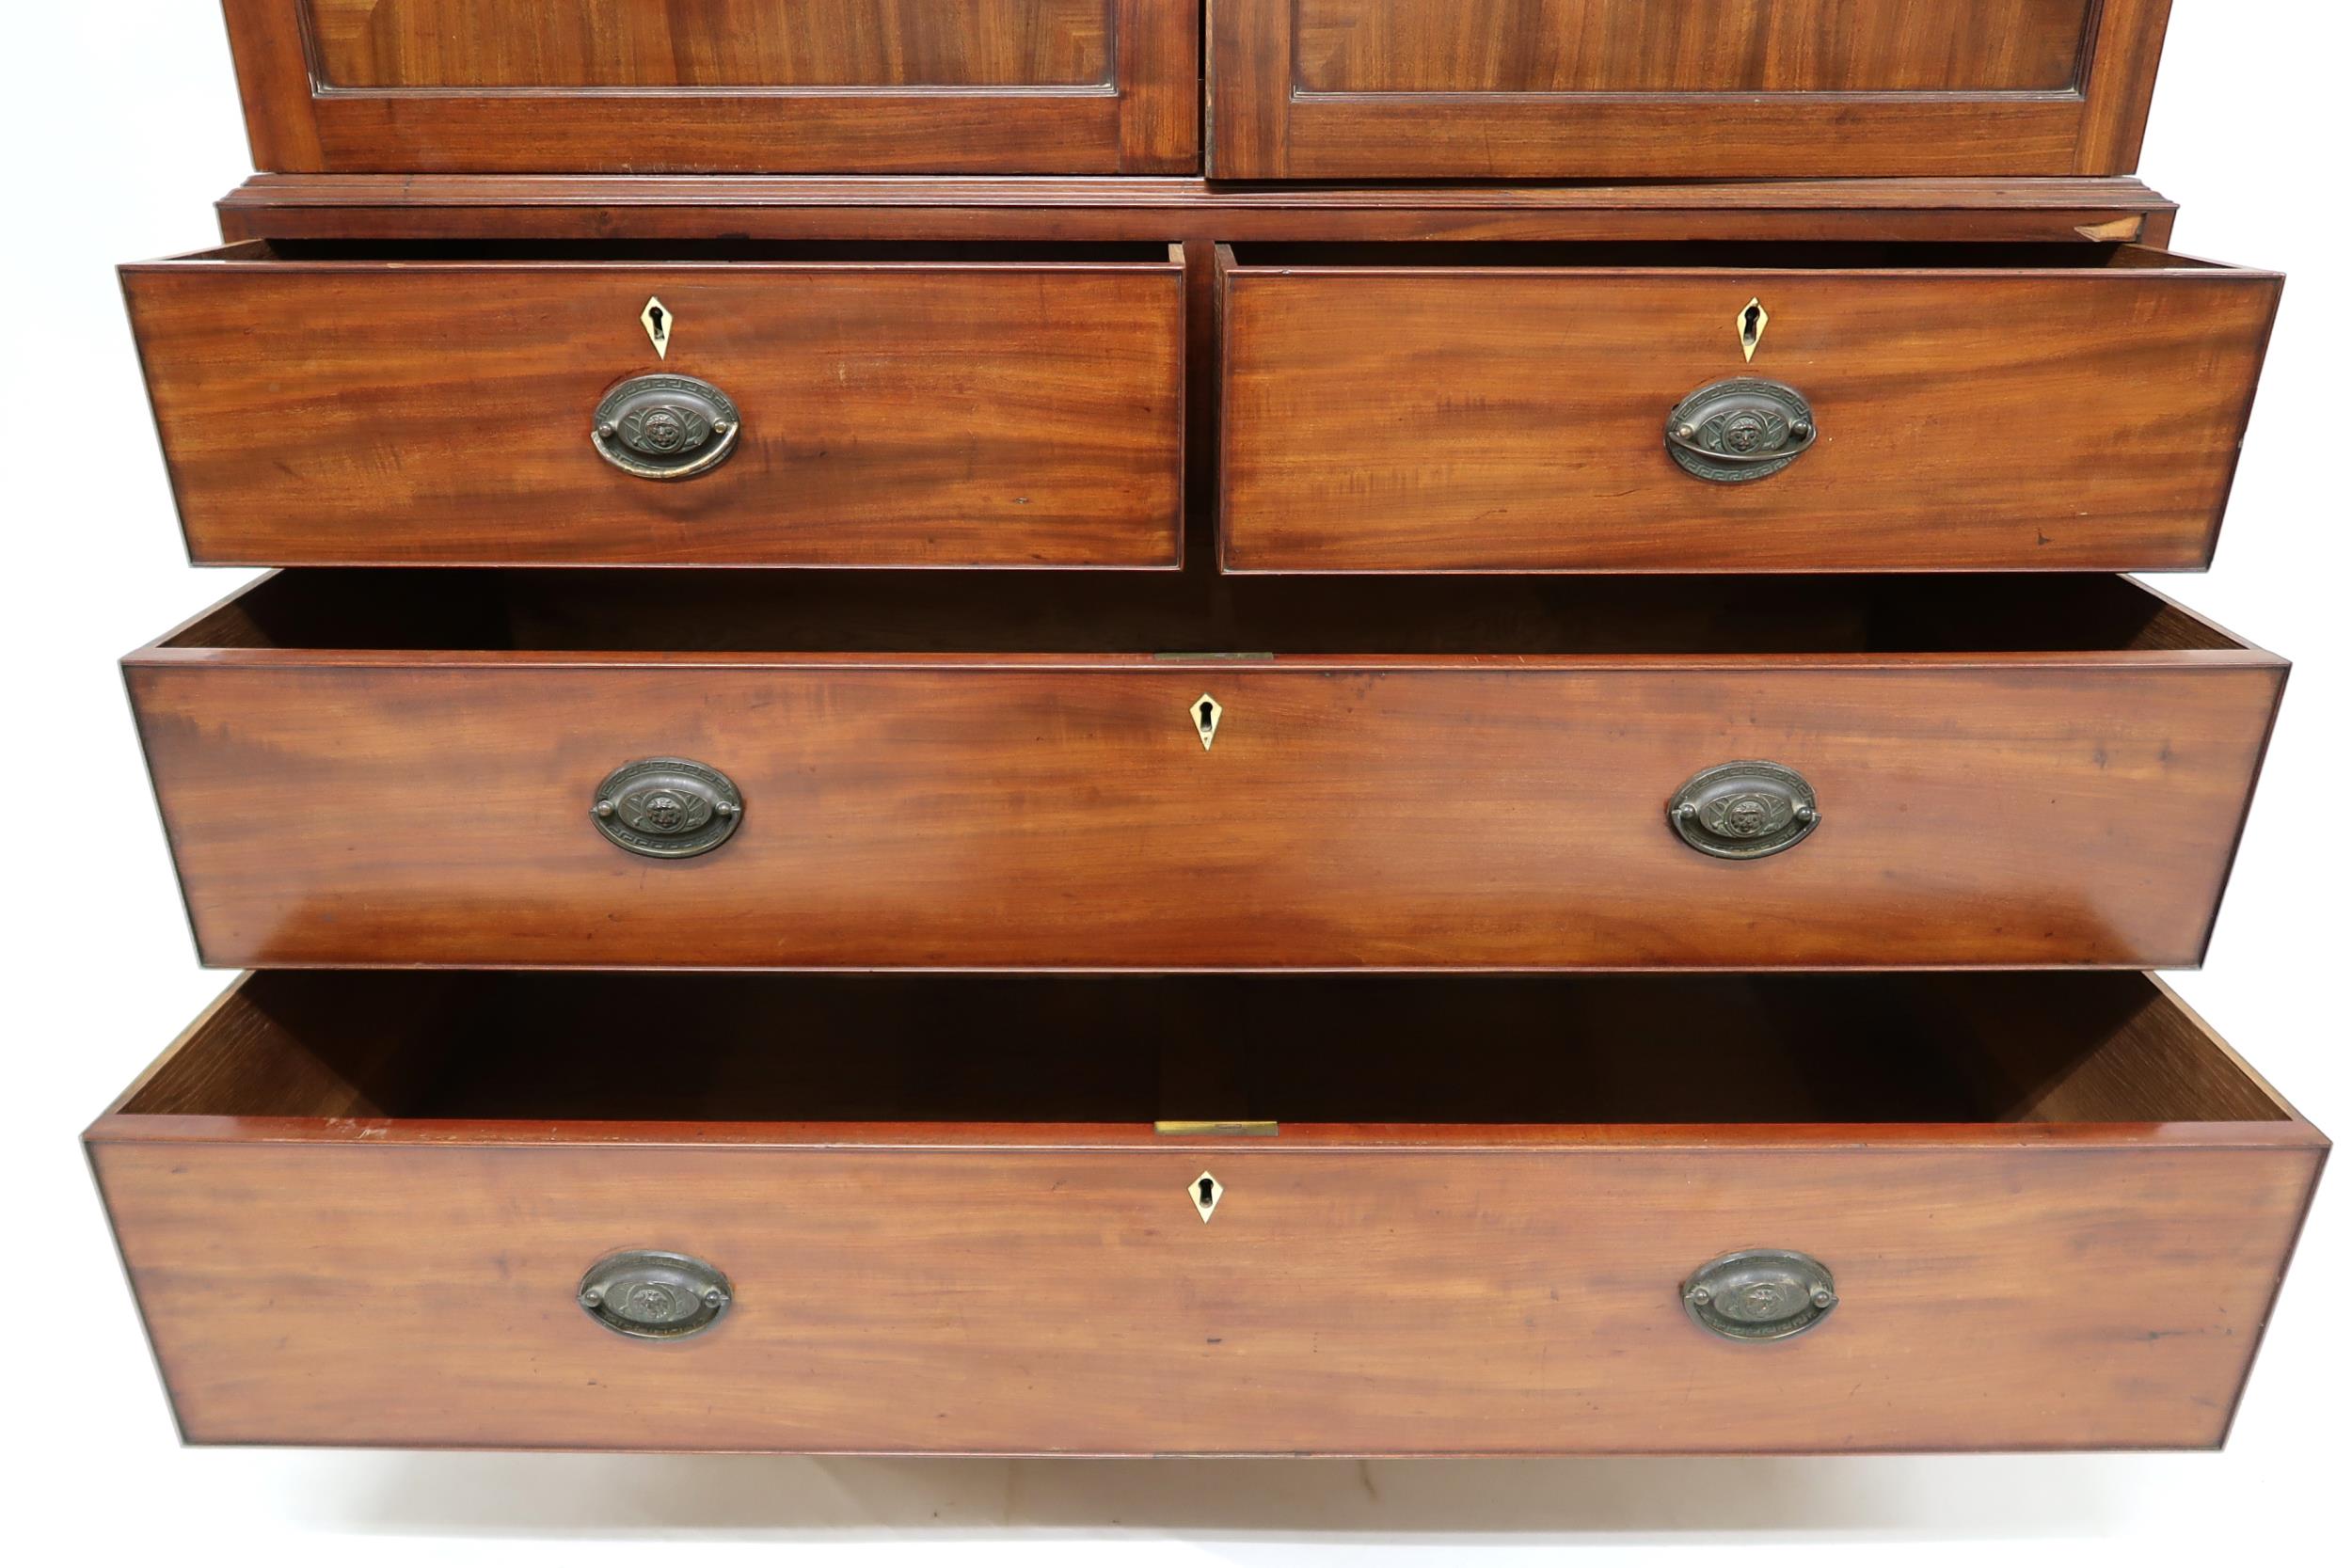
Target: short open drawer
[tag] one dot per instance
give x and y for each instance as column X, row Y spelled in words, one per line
column 599, row 404
column 1732, row 408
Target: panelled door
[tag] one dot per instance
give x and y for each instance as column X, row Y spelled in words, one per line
column 1696, row 90
column 512, row 86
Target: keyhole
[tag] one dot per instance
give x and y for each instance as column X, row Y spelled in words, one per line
column 1752, row 322
column 1205, row 714
column 655, row 317
column 1204, row 1195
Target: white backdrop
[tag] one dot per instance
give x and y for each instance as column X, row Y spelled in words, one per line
column 124, row 126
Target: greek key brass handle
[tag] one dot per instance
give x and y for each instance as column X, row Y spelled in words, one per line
column 655, row 1295
column 1743, row 811
column 668, row 808
column 665, row 427
column 1760, row 1295
column 1736, row 431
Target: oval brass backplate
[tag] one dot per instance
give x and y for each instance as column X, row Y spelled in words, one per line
column 654, row 1295
column 665, row 426
column 1743, row 811
column 670, row 808
column 1760, row 1294
column 1734, row 432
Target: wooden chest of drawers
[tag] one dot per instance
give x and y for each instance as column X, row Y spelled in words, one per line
column 1575, row 821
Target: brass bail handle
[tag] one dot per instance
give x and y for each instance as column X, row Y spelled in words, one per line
column 665, row 427
column 1763, row 1293
column 654, row 1295
column 667, row 808
column 1738, row 431
column 1744, row 811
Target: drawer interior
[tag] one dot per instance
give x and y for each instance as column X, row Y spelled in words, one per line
column 700, row 610
column 1362, row 1050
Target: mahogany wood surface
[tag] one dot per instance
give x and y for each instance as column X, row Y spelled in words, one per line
column 600, row 43
column 1472, row 46
column 1503, row 408
column 1351, row 89
column 400, row 770
column 499, row 85
column 389, row 408
column 336, row 1243
column 903, row 207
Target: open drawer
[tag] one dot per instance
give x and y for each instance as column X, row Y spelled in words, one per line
column 1731, row 407
column 566, row 403
column 945, row 1214
column 720, row 770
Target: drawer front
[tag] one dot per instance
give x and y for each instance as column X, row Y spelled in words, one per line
column 1019, row 1301
column 1322, row 89
column 1407, row 419
column 944, row 813
column 908, row 415
column 502, row 87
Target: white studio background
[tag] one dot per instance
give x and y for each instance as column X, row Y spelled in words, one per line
column 123, row 127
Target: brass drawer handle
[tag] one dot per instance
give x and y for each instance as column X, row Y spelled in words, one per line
column 1763, row 1294
column 655, row 1295
column 665, row 427
column 1732, row 432
column 1743, row 811
column 669, row 808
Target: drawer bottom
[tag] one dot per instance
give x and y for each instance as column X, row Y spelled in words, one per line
column 950, row 1215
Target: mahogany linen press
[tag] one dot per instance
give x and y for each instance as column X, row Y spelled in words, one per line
column 1116, row 727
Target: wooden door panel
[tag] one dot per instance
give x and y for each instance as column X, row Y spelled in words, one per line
column 498, row 87
column 1626, row 89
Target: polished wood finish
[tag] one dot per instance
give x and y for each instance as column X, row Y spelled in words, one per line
column 496, row 86
column 445, row 45
column 1560, row 90
column 1642, row 46
column 2057, row 1211
column 901, row 407
column 1503, row 408
column 280, row 206
column 1423, row 775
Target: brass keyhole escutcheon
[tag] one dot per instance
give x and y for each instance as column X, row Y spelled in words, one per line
column 1206, row 1193
column 1207, row 712
column 1752, row 320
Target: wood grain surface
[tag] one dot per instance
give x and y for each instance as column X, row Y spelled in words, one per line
column 901, row 412
column 1319, row 89
column 318, row 1266
column 1463, row 412
column 1639, row 46
column 908, row 804
column 908, row 85
column 1163, row 208
column 617, row 43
